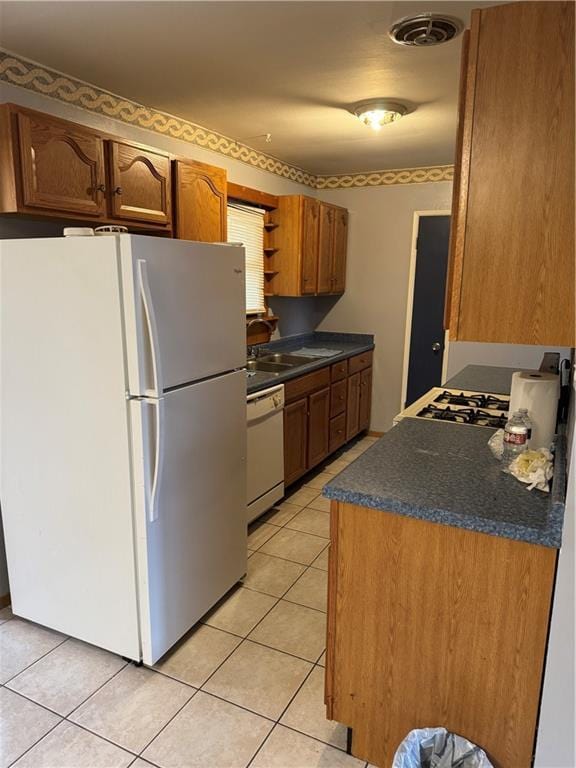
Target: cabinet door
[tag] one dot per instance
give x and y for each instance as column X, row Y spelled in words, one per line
column 140, row 184
column 325, row 248
column 318, row 426
column 353, row 406
column 200, row 202
column 513, row 262
column 339, row 249
column 309, row 246
column 365, row 405
column 62, row 166
column 295, row 440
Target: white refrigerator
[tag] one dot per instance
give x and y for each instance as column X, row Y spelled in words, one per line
column 122, row 434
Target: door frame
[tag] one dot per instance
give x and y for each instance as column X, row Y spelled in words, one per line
column 410, row 304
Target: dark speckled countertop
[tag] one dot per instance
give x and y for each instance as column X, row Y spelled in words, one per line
column 344, row 344
column 445, row 473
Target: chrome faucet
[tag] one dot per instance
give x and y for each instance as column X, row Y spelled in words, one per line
column 255, row 320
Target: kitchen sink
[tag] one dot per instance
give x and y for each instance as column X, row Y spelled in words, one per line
column 267, row 366
column 286, row 359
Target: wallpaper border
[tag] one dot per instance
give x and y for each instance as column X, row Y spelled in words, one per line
column 23, row 73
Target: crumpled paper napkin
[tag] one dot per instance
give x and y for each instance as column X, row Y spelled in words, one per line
column 533, row 467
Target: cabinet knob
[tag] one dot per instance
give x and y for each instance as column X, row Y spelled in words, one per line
column 101, row 188
column 436, row 347
column 118, row 191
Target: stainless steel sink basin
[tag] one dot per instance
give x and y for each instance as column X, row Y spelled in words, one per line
column 286, row 359
column 266, row 366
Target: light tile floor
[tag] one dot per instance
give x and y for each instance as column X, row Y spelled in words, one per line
column 243, row 688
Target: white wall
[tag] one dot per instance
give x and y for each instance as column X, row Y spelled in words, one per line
column 377, row 273
column 463, row 353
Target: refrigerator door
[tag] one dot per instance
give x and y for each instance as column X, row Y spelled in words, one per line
column 184, row 306
column 189, row 457
column 64, row 440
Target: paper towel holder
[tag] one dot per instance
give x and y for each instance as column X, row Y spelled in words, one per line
column 550, row 363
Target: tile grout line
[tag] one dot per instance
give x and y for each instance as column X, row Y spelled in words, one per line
column 39, row 658
column 167, row 723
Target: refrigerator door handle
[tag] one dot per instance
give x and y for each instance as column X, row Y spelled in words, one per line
column 158, row 406
column 146, row 297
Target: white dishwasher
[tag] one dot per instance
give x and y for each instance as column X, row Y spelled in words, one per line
column 265, row 450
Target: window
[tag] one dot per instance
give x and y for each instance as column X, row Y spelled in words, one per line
column 246, row 226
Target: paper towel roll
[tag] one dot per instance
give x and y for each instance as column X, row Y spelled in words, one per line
column 538, row 393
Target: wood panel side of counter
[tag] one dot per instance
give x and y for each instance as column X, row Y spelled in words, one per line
column 434, row 625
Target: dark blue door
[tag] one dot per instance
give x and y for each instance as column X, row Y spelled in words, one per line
column 427, row 332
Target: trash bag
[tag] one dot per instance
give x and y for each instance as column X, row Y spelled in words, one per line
column 437, row 748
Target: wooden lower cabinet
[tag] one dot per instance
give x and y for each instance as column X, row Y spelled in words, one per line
column 365, row 404
column 353, row 406
column 434, row 625
column 295, row 440
column 324, row 410
column 318, row 426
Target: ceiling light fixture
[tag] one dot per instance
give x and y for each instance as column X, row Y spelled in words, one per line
column 378, row 112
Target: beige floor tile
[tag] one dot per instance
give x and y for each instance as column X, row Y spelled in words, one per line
column 22, row 723
column 197, row 656
column 6, row 614
column 321, row 561
column 68, row 746
column 282, row 514
column 240, row 612
column 271, row 574
column 132, row 708
column 287, row 749
column 23, row 643
column 139, row 763
column 311, row 589
column 294, row 545
column 209, row 733
column 66, row 676
column 303, row 496
column 259, row 679
column 321, row 504
column 311, row 521
column 307, row 713
column 318, row 482
column 294, row 629
column 322, row 660
column 259, row 533
column 338, row 465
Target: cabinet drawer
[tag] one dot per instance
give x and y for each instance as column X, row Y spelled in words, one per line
column 337, row 432
column 339, row 370
column 338, row 398
column 304, row 385
column 359, row 362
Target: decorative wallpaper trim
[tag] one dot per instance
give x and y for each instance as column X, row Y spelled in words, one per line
column 386, row 178
column 21, row 72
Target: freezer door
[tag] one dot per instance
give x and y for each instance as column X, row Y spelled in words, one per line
column 184, row 305
column 190, row 490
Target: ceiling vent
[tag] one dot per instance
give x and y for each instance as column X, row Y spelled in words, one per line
column 426, row 29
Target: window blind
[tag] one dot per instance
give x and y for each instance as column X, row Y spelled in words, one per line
column 246, row 226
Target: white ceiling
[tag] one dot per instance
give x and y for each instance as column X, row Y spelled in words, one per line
column 249, row 68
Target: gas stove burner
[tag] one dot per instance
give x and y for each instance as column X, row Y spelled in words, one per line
column 484, row 419
column 495, row 403
column 462, row 415
column 453, row 398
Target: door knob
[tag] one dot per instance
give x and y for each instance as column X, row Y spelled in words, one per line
column 436, row 347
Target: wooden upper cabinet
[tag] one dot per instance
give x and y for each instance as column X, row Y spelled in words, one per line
column 311, row 240
column 340, row 248
column 511, row 274
column 309, row 245
column 140, row 184
column 200, row 192
column 325, row 249
column 61, row 166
